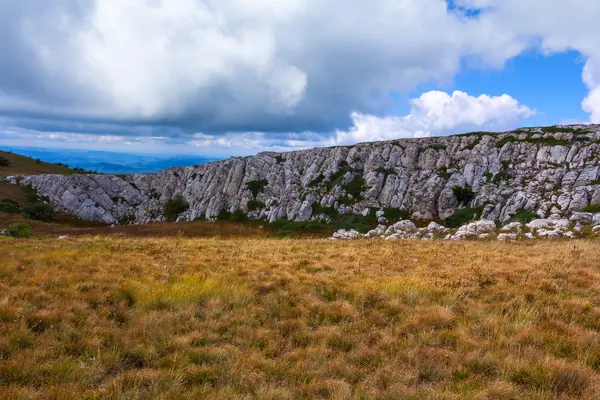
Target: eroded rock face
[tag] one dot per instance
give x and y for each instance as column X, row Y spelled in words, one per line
column 550, row 172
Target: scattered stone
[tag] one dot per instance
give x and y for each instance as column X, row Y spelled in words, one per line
column 582, row 218
column 507, row 236
column 380, row 213
column 512, row 227
column 63, row 237
column 343, row 234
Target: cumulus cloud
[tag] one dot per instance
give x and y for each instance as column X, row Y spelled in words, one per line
column 433, row 113
column 438, row 113
column 226, row 65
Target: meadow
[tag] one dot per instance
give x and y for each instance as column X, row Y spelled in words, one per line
column 265, row 318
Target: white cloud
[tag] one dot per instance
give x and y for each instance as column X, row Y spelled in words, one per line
column 553, row 26
column 438, row 113
column 433, row 113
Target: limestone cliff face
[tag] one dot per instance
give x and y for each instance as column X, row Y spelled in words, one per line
column 544, row 170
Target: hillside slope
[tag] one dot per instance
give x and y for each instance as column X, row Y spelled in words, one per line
column 543, row 170
column 21, row 165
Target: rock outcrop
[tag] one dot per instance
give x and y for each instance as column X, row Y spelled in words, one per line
column 552, row 172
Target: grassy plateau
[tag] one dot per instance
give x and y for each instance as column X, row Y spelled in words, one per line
column 264, row 318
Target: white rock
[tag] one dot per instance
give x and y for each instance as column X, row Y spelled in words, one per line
column 63, row 237
column 382, row 220
column 562, row 224
column 507, row 236
column 550, row 234
column 582, row 218
column 513, row 226
column 529, row 236
column 405, row 226
column 539, row 224
column 343, row 234
column 596, row 229
column 380, row 213
column 436, row 228
column 569, row 235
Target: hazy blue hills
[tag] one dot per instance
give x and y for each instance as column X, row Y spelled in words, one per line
column 109, row 162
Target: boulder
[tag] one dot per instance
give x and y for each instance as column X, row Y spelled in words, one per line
column 512, row 227
column 507, row 236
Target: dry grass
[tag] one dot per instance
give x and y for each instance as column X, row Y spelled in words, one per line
column 21, row 165
column 285, row 319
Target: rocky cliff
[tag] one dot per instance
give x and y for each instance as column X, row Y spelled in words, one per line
column 549, row 171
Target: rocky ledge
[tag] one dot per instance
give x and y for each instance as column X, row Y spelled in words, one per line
column 579, row 225
column 548, row 172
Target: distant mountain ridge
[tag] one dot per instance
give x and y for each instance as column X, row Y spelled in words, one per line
column 547, row 171
column 110, row 162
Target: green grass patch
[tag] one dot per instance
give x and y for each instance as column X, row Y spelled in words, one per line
column 463, row 216
column 443, row 173
column 9, row 206
column 592, row 208
column 524, row 217
column 396, row 214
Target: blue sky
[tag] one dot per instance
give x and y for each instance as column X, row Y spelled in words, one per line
column 213, row 78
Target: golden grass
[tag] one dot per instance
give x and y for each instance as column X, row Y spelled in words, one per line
column 285, row 319
column 21, row 165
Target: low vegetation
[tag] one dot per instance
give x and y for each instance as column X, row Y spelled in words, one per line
column 592, row 208
column 463, row 216
column 463, row 194
column 298, row 319
column 173, row 207
column 14, row 164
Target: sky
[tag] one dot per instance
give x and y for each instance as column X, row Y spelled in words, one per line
column 220, row 78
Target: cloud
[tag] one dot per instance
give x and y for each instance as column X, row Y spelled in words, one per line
column 433, row 113
column 553, row 26
column 437, row 113
column 226, row 65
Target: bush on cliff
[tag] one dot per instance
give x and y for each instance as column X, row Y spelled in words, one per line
column 175, row 206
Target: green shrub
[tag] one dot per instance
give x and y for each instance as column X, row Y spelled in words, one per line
column 463, row 216
column 592, row 208
column 508, row 139
column 175, row 206
column 355, row 187
column 9, row 206
column 39, row 211
column 396, row 214
column 257, row 186
column 223, row 215
column 4, row 162
column 317, row 181
column 19, row 230
column 254, row 205
column 524, row 216
column 464, row 195
column 238, row 216
column 386, row 171
column 500, row 176
column 435, row 146
column 318, row 209
column 443, row 173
